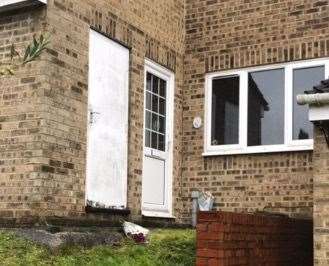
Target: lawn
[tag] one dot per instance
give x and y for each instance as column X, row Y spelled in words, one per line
column 166, row 248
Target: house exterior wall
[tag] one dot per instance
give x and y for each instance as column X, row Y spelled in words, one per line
column 20, row 107
column 321, row 218
column 223, row 35
column 44, row 108
column 151, row 29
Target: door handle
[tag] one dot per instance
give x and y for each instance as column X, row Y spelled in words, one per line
column 92, row 117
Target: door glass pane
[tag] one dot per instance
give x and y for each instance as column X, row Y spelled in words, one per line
column 154, row 140
column 304, row 79
column 148, row 120
column 148, row 101
column 148, row 138
column 148, row 82
column 162, row 124
column 266, row 107
column 155, row 103
column 155, row 87
column 225, row 111
column 162, row 88
column 161, row 143
column 162, row 106
column 155, row 122
column 155, row 113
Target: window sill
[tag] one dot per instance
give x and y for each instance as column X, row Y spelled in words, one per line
column 258, row 149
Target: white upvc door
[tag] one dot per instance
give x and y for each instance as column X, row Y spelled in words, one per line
column 158, row 136
column 107, row 149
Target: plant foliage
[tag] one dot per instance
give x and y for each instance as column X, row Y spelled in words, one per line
column 166, row 248
column 32, row 52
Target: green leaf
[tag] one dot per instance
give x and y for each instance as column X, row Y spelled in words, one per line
column 35, row 42
column 27, row 52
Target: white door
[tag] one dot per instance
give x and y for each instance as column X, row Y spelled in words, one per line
column 106, row 185
column 158, row 128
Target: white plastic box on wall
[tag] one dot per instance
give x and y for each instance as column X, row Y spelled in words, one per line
column 318, row 105
column 319, row 113
column 7, row 5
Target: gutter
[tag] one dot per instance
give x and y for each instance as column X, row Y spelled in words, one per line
column 313, row 99
column 10, row 5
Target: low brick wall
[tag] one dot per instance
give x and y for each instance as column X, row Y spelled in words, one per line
column 254, row 240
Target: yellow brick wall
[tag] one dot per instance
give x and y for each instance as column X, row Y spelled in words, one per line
column 231, row 34
column 21, row 153
column 152, row 29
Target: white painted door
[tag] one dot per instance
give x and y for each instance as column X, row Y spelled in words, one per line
column 107, row 148
column 157, row 162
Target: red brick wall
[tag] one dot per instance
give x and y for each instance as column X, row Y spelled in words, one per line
column 225, row 238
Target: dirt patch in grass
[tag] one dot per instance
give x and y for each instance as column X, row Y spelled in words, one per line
column 60, row 240
column 166, row 248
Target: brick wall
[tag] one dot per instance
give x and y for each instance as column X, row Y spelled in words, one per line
column 222, row 35
column 21, row 152
column 321, row 200
column 152, row 29
column 243, row 239
column 44, row 163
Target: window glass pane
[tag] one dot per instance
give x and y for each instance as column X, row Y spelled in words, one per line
column 148, row 139
column 161, row 143
column 148, row 121
column 162, row 124
column 154, row 141
column 148, row 101
column 162, row 106
column 266, row 107
column 304, row 79
column 225, row 111
column 162, row 88
column 155, row 87
column 155, row 122
column 155, row 113
column 148, row 82
column 155, row 104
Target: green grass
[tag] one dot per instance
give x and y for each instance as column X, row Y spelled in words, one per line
column 166, row 248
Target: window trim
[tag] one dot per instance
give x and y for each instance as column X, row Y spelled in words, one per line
column 242, row 147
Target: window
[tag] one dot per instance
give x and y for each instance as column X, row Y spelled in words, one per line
column 155, row 112
column 255, row 110
column 265, row 107
column 304, row 79
column 225, row 111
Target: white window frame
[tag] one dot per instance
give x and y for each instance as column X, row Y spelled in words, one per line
column 242, row 147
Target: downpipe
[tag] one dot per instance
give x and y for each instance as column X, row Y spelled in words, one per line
column 194, row 196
